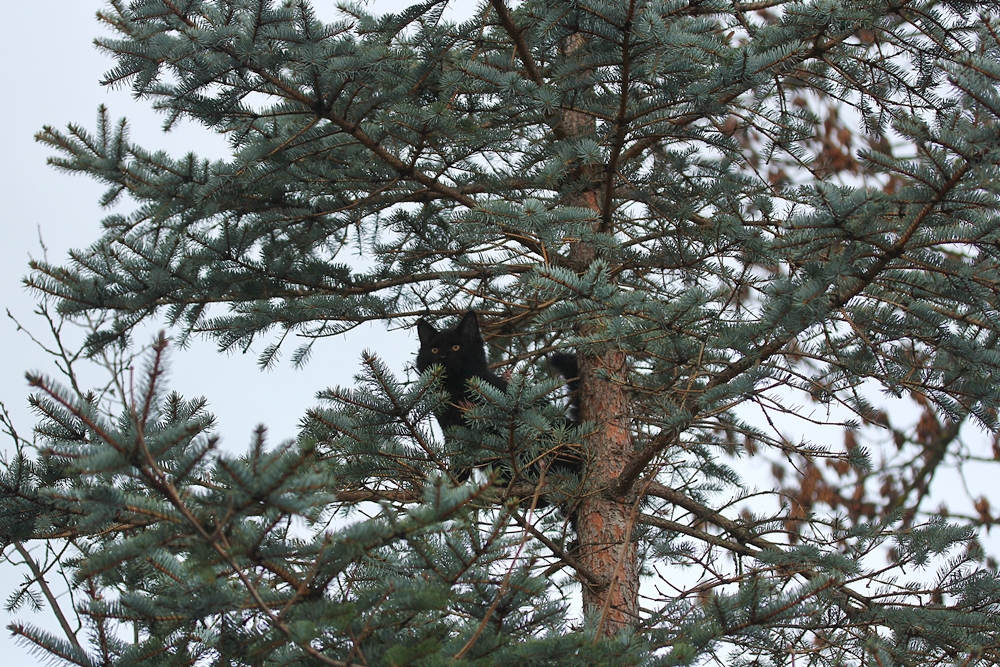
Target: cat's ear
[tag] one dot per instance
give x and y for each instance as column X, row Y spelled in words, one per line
column 426, row 331
column 468, row 328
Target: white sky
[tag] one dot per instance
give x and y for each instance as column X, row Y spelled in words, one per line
column 51, row 77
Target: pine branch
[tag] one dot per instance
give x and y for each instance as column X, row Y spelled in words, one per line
column 39, row 577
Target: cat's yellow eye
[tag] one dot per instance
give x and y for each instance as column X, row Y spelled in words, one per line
column 434, row 350
column 455, row 348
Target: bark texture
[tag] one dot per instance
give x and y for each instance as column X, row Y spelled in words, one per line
column 604, row 521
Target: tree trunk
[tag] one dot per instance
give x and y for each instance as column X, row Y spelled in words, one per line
column 604, row 522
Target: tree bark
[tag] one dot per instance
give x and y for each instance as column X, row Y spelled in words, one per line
column 604, row 521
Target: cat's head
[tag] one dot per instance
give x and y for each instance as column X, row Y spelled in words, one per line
column 456, row 348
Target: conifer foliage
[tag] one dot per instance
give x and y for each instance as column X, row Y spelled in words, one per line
column 747, row 219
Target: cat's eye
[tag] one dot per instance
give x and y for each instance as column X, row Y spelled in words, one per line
column 455, row 347
column 434, row 350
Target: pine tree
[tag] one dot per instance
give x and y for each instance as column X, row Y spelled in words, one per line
column 673, row 190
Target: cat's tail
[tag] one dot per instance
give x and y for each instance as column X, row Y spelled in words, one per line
column 567, row 366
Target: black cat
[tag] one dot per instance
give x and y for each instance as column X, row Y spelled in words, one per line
column 462, row 352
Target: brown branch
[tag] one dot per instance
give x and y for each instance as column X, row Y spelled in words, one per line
column 19, row 630
column 715, row 540
column 899, row 247
column 517, row 37
column 362, row 495
column 56, row 609
column 744, row 536
column 621, row 123
column 935, row 453
column 592, row 578
column 708, row 515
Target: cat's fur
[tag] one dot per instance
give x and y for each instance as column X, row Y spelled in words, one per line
column 461, row 351
column 567, row 366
